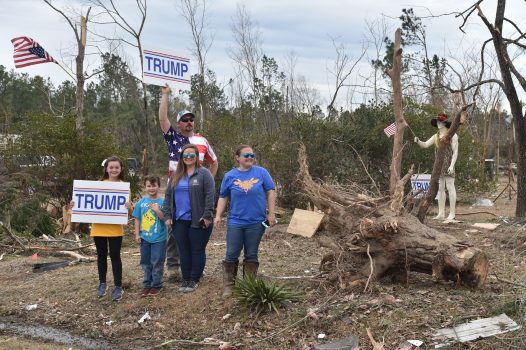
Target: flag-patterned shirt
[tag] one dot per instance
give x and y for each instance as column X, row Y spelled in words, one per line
column 175, row 142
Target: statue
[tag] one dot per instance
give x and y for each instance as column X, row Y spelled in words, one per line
column 447, row 173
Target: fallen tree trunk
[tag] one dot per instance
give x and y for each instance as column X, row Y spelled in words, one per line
column 409, row 245
column 371, row 239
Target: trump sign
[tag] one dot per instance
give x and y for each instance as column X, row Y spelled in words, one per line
column 101, row 202
column 420, row 182
column 162, row 68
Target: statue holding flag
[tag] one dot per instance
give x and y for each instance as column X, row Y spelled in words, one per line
column 447, row 173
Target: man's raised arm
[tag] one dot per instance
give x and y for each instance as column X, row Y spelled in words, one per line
column 163, row 109
column 213, row 167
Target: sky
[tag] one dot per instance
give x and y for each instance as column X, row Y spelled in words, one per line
column 301, row 27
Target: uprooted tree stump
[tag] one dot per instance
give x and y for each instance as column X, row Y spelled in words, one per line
column 371, row 238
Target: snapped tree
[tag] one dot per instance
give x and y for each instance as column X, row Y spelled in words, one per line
column 508, row 72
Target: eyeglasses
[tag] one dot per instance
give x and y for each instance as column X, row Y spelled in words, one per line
column 189, row 155
column 248, row 155
column 187, row 120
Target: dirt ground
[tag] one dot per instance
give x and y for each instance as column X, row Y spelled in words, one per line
column 393, row 312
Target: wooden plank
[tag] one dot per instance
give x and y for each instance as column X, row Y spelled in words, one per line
column 473, row 330
column 304, row 223
column 485, row 225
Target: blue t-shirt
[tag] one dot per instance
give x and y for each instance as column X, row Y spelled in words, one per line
column 152, row 229
column 247, row 192
column 183, row 210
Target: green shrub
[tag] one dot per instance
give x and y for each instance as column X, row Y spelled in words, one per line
column 31, row 217
column 263, row 296
column 39, row 168
column 23, row 205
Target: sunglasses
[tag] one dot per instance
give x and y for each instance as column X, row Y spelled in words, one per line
column 189, row 155
column 248, row 155
column 186, row 120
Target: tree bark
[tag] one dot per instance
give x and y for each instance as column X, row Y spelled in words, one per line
column 394, row 74
column 506, row 66
column 408, row 245
column 79, row 92
column 79, row 65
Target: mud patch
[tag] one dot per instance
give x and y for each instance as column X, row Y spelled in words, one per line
column 49, row 334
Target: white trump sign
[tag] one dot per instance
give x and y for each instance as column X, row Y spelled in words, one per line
column 100, row 202
column 162, row 68
column 420, row 182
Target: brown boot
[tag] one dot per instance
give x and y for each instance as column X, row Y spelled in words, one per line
column 229, row 276
column 250, row 267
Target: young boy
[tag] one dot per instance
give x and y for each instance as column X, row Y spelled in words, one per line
column 150, row 233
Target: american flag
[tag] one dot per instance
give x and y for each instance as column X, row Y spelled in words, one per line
column 175, row 143
column 390, row 129
column 29, row 52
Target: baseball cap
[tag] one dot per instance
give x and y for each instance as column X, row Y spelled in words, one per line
column 183, row 113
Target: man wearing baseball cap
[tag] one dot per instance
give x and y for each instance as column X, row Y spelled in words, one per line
column 175, row 140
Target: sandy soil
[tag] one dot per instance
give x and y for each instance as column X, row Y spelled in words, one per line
column 394, row 312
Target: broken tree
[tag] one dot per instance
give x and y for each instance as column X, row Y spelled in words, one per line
column 373, row 237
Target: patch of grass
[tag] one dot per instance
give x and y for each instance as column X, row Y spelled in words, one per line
column 385, row 322
column 262, row 295
column 515, row 308
column 285, row 217
column 16, row 343
column 510, row 308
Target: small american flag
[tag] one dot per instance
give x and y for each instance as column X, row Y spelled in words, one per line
column 29, row 52
column 390, row 129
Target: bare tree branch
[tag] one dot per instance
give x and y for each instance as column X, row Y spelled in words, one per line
column 119, row 20
column 522, row 35
column 465, row 16
column 13, row 236
column 342, row 71
column 194, row 12
column 79, row 65
column 73, row 27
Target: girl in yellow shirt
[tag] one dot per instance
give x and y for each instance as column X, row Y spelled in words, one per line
column 110, row 235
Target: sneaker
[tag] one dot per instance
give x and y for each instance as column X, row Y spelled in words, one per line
column 191, row 287
column 184, row 285
column 145, row 292
column 154, row 291
column 116, row 293
column 101, row 290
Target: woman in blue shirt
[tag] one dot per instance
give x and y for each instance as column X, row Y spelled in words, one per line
column 189, row 207
column 250, row 188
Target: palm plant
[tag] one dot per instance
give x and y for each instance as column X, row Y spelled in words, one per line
column 261, row 295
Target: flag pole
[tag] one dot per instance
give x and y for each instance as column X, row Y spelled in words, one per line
column 67, row 72
column 412, row 132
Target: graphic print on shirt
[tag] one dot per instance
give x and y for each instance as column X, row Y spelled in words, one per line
column 147, row 222
column 247, row 184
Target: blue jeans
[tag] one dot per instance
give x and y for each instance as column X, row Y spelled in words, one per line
column 192, row 248
column 152, row 262
column 243, row 237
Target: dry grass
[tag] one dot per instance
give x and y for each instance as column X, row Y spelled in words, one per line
column 15, row 343
column 394, row 311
